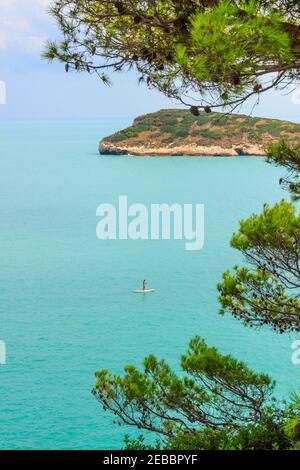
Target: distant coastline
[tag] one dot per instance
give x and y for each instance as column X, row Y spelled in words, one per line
column 176, row 132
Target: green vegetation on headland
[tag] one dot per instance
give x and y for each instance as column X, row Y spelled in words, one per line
column 178, row 132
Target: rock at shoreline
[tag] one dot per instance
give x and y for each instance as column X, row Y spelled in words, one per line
column 176, row 132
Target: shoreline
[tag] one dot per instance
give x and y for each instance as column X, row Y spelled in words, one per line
column 108, row 148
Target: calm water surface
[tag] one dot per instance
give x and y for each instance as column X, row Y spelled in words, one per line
column 66, row 306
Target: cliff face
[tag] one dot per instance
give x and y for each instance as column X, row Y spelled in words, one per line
column 173, row 132
column 107, row 148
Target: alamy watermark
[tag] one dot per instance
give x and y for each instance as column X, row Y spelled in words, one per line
column 296, row 354
column 158, row 221
column 2, row 352
column 2, row 92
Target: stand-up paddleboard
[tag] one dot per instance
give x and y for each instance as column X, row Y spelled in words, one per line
column 143, row 291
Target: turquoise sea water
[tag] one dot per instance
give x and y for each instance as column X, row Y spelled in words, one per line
column 66, row 306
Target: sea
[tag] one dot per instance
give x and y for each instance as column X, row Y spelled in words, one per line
column 66, row 303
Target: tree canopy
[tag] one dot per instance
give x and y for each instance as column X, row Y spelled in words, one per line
column 214, row 402
column 266, row 292
column 204, row 53
column 287, row 156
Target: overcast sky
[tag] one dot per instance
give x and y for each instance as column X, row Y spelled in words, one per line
column 37, row 89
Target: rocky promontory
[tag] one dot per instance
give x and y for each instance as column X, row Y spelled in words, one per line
column 176, row 132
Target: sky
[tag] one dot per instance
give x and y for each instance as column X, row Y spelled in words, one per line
column 36, row 89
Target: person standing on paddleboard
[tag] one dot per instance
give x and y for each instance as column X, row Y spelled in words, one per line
column 144, row 284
